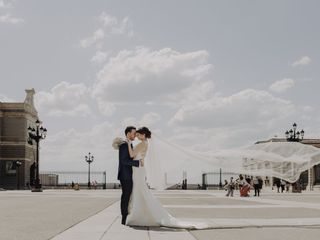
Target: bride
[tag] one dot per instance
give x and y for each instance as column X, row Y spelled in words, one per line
column 144, row 208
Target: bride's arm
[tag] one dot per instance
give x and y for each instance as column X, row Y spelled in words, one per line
column 143, row 149
column 134, row 152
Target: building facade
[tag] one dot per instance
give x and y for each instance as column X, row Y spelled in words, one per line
column 15, row 118
column 311, row 177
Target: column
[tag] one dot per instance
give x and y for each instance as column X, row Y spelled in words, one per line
column 310, row 179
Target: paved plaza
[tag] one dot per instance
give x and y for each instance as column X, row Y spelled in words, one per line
column 95, row 215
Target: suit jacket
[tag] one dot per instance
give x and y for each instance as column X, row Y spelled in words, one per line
column 125, row 163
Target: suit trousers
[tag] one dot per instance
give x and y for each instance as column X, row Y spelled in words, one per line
column 125, row 197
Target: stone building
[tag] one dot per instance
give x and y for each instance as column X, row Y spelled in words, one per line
column 311, row 177
column 15, row 118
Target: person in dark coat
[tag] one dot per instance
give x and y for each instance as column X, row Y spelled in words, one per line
column 125, row 171
column 278, row 184
column 257, row 185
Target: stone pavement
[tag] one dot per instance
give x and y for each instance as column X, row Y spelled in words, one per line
column 272, row 216
column 37, row 216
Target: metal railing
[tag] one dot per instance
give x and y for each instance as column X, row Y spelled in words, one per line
column 68, row 179
column 216, row 179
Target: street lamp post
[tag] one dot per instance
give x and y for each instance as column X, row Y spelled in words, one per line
column 36, row 135
column 105, row 180
column 89, row 160
column 18, row 164
column 293, row 135
column 220, row 179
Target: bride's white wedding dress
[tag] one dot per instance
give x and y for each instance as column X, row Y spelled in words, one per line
column 146, row 210
column 282, row 160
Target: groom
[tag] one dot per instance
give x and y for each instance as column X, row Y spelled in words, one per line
column 125, row 171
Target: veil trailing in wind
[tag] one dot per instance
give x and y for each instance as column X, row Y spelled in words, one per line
column 285, row 160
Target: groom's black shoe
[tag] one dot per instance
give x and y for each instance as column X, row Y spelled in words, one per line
column 124, row 219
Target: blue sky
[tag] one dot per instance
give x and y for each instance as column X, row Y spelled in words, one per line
column 204, row 74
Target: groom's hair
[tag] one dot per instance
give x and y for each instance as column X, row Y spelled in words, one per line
column 129, row 129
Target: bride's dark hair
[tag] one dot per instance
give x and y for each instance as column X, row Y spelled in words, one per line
column 145, row 131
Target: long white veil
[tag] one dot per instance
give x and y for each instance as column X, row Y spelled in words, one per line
column 285, row 160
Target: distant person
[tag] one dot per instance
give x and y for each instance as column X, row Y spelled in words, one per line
column 287, row 187
column 267, row 182
column 278, row 184
column 183, row 184
column 225, row 185
column 298, row 186
column 250, row 180
column 301, row 184
column 256, row 186
column 239, row 182
column 245, row 186
column 283, row 185
column 230, row 187
column 260, row 183
column 94, row 185
column 72, row 185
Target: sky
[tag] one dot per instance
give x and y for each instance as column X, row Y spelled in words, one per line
column 206, row 75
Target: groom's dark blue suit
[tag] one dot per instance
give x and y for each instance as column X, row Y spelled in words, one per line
column 125, row 176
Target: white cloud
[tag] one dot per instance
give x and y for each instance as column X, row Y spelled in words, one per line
column 282, row 85
column 149, row 120
column 6, row 3
column 64, row 99
column 211, row 139
column 109, row 25
column 124, row 27
column 99, row 57
column 4, row 98
column 197, row 91
column 115, row 26
column 94, row 39
column 246, row 108
column 142, row 75
column 65, row 150
column 237, row 120
column 105, row 107
column 108, row 20
column 7, row 18
column 304, row 61
column 308, row 109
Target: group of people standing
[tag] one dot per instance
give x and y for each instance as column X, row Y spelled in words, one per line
column 243, row 185
column 283, row 185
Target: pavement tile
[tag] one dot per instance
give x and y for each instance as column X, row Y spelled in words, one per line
column 93, row 227
column 167, row 234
